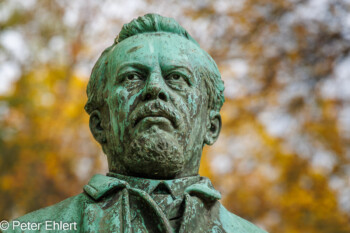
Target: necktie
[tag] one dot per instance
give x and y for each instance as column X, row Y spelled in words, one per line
column 171, row 206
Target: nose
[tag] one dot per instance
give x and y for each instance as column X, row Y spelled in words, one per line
column 154, row 89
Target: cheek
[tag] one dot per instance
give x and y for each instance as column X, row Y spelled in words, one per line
column 197, row 108
column 194, row 103
column 191, row 103
column 119, row 107
column 122, row 100
column 117, row 100
column 192, row 107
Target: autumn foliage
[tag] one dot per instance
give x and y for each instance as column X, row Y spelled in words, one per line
column 282, row 160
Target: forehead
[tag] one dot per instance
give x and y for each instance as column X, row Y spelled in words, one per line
column 163, row 48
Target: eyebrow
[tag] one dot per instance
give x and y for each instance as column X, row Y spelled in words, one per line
column 136, row 65
column 167, row 68
column 172, row 67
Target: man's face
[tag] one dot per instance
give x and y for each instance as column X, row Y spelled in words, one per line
column 157, row 106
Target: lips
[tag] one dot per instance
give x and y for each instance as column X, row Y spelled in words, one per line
column 155, row 116
column 155, row 110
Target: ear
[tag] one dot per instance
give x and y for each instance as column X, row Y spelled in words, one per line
column 95, row 124
column 213, row 128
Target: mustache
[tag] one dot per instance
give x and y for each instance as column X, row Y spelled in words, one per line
column 155, row 109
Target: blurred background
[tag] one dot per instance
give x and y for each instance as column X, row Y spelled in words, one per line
column 282, row 160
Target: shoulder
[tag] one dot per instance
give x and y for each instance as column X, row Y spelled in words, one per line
column 233, row 223
column 67, row 210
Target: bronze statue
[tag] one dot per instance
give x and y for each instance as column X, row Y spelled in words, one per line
column 154, row 98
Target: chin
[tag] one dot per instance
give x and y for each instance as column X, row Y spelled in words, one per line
column 154, row 154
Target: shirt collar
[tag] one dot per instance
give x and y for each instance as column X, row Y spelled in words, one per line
column 100, row 185
column 175, row 186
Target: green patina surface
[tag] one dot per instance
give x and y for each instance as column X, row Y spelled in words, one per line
column 154, row 98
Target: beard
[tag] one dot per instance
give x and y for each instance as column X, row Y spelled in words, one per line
column 154, row 154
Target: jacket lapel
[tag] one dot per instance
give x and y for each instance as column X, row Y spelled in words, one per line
column 116, row 207
column 201, row 208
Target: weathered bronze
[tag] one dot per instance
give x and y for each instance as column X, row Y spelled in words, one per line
column 154, row 98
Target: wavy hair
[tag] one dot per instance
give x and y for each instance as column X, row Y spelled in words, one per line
column 147, row 24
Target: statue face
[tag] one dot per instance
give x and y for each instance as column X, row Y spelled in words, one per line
column 157, row 110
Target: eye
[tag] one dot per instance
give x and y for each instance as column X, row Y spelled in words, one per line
column 132, row 76
column 174, row 77
column 177, row 81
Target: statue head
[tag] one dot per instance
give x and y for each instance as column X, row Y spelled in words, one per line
column 154, row 98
